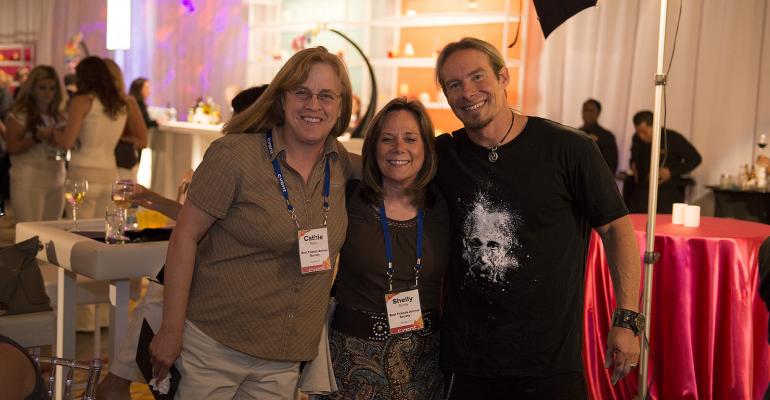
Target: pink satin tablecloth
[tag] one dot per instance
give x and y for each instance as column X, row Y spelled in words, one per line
column 708, row 332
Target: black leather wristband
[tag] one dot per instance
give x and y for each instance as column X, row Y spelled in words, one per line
column 628, row 319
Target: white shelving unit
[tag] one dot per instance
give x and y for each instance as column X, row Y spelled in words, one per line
column 379, row 27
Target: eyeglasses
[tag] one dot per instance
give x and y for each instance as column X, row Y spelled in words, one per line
column 324, row 97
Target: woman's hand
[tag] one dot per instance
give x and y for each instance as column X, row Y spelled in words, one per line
column 164, row 350
column 144, row 197
column 154, row 201
column 44, row 134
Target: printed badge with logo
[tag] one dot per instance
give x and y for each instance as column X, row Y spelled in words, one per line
column 404, row 311
column 314, row 250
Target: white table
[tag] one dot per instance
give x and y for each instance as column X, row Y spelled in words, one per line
column 77, row 254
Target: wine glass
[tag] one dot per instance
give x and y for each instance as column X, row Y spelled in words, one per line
column 123, row 191
column 75, row 191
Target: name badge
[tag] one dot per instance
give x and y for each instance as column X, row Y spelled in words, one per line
column 404, row 311
column 314, row 250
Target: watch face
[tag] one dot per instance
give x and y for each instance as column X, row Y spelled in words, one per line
column 639, row 322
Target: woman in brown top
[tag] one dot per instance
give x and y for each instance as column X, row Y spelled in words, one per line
column 374, row 356
column 248, row 269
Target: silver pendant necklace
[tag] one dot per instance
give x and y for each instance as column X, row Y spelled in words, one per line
column 492, row 156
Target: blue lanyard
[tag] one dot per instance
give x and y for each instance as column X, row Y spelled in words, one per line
column 389, row 246
column 284, row 188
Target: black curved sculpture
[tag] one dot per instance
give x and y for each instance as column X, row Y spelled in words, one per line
column 370, row 109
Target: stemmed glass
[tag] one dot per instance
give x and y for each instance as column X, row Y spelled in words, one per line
column 122, row 190
column 122, row 193
column 75, row 191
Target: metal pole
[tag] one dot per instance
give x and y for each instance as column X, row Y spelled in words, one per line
column 652, row 204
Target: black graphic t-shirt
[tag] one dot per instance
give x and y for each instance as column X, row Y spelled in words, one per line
column 520, row 230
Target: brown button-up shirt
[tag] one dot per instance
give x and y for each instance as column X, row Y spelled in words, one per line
column 247, row 290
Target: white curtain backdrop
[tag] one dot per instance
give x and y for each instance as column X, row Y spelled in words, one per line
column 718, row 89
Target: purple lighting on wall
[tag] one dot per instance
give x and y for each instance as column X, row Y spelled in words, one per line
column 188, row 5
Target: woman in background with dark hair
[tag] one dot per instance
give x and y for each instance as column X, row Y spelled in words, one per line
column 135, row 136
column 97, row 116
column 140, row 90
column 374, row 356
column 36, row 175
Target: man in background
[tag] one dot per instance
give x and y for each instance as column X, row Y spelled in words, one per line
column 677, row 155
column 602, row 137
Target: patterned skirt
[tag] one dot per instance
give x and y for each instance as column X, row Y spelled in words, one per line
column 402, row 367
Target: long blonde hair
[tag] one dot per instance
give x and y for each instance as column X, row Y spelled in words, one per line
column 267, row 111
column 26, row 102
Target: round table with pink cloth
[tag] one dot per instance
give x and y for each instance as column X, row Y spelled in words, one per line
column 709, row 328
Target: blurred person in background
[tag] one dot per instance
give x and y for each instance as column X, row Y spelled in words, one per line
column 36, row 175
column 6, row 98
column 603, row 138
column 6, row 101
column 678, row 157
column 140, row 90
column 135, row 136
column 96, row 120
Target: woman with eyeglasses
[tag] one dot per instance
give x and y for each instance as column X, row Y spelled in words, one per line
column 37, row 173
column 249, row 265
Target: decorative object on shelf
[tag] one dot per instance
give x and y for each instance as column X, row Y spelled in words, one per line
column 409, row 50
column 403, row 89
column 473, row 5
column 206, row 112
column 16, row 61
column 74, row 51
column 424, row 97
column 410, row 11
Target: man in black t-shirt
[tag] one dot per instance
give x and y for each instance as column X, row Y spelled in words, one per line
column 523, row 194
column 678, row 155
column 604, row 139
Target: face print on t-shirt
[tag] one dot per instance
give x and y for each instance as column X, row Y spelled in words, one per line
column 490, row 240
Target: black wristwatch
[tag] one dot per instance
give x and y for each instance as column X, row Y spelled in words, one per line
column 628, row 319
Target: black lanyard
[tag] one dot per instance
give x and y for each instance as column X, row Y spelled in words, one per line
column 284, row 188
column 389, row 246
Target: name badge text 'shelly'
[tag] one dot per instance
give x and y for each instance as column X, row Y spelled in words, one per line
column 404, row 311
